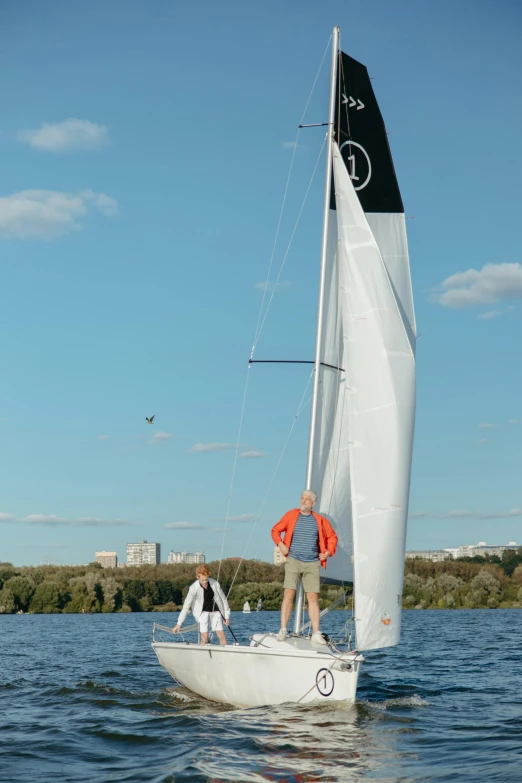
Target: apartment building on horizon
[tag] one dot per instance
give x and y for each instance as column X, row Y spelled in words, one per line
column 106, row 559
column 143, row 553
column 186, row 557
column 466, row 550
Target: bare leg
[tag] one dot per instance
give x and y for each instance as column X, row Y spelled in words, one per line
column 204, row 638
column 313, row 610
column 286, row 606
column 222, row 638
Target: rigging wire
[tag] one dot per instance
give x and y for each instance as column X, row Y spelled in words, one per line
column 295, row 145
column 234, row 469
column 300, row 409
column 258, row 326
column 288, row 247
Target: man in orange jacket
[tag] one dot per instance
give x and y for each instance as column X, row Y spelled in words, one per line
column 309, row 540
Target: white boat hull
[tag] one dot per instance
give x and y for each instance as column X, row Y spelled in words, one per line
column 277, row 672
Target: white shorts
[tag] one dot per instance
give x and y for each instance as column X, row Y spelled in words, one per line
column 216, row 623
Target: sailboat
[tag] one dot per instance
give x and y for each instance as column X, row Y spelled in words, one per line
column 361, row 426
column 246, row 608
column 259, row 605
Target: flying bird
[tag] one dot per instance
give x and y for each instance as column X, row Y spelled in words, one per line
column 149, row 421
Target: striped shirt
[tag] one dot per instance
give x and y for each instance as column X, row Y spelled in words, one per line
column 305, row 539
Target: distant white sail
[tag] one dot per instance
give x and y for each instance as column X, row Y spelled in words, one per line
column 246, row 607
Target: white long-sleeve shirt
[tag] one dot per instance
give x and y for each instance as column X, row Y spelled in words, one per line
column 194, row 601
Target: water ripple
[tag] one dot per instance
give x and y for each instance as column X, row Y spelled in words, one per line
column 441, row 707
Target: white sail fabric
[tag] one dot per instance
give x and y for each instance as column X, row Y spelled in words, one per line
column 367, row 410
column 380, row 372
column 389, row 231
column 330, row 475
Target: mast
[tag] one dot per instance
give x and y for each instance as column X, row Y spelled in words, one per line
column 324, row 247
column 320, row 307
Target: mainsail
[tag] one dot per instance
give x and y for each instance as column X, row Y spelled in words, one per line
column 364, row 430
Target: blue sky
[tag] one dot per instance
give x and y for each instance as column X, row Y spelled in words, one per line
column 145, row 149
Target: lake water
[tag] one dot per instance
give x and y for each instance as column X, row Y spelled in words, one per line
column 83, row 698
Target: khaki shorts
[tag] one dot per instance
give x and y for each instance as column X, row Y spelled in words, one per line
column 309, row 572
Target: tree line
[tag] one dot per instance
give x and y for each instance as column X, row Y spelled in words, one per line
column 75, row 589
column 466, row 583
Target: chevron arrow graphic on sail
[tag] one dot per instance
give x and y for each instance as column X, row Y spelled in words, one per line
column 353, row 102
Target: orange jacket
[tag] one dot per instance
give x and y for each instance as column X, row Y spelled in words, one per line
column 286, row 525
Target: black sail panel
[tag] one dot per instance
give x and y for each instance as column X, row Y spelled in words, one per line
column 362, row 139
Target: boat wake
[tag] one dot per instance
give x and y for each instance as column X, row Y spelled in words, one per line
column 403, row 701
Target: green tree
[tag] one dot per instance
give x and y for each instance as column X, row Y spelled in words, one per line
column 47, row 599
column 85, row 593
column 112, row 595
column 133, row 592
column 271, row 593
column 6, row 572
column 484, row 591
column 22, row 590
column 412, row 590
column 7, row 601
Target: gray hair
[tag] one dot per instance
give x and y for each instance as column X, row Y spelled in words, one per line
column 309, row 492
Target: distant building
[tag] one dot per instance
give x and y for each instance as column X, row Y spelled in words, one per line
column 435, row 555
column 279, row 558
column 452, row 551
column 107, row 559
column 466, row 550
column 143, row 553
column 186, row 557
column 482, row 549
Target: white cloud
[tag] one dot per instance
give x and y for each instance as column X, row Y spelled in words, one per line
column 242, row 518
column 43, row 214
column 43, row 519
column 160, row 437
column 514, row 421
column 103, row 437
column 107, row 205
column 253, row 454
column 290, row 145
column 71, row 135
column 493, row 283
column 208, row 447
column 465, row 514
column 95, row 522
column 489, row 314
column 52, row 520
column 418, row 514
column 271, row 287
column 485, row 426
column 183, row 526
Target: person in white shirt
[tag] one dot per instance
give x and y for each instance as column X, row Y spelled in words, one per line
column 208, row 604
